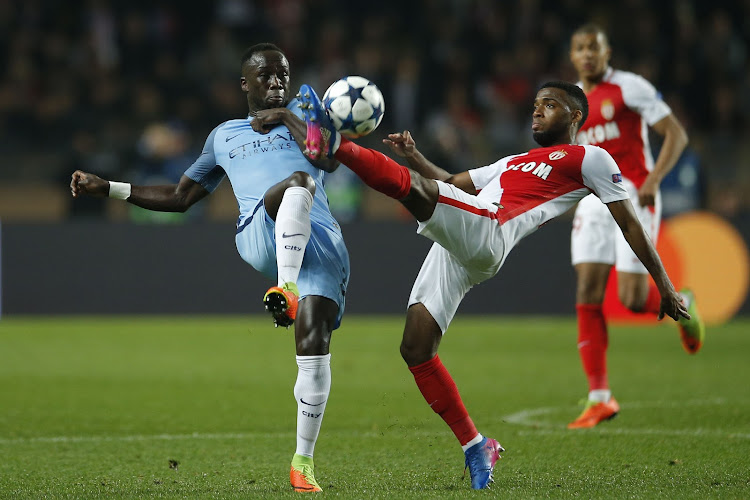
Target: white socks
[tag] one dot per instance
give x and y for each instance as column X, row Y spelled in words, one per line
column 477, row 439
column 600, row 395
column 311, row 393
column 292, row 232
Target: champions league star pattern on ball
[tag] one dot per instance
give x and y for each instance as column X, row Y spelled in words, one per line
column 355, row 106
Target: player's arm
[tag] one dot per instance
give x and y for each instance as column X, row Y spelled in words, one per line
column 166, row 198
column 266, row 119
column 403, row 144
column 671, row 302
column 675, row 141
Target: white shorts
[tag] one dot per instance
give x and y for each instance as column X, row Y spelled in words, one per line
column 597, row 238
column 470, row 246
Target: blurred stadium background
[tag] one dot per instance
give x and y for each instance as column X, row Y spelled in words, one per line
column 130, row 90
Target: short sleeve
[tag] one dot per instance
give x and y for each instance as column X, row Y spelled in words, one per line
column 482, row 176
column 642, row 97
column 204, row 170
column 602, row 175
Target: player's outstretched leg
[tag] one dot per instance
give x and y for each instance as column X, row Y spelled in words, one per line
column 322, row 138
column 374, row 168
column 480, row 460
column 302, row 475
column 693, row 330
column 282, row 303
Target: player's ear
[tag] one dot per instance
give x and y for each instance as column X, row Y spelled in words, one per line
column 243, row 83
column 576, row 117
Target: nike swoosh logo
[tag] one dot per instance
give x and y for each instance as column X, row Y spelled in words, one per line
column 284, row 235
column 308, row 404
column 235, row 135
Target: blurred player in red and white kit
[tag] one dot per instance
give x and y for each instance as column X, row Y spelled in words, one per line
column 622, row 105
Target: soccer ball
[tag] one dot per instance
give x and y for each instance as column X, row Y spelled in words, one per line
column 354, row 105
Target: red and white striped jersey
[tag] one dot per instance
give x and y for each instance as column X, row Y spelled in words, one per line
column 620, row 108
column 531, row 188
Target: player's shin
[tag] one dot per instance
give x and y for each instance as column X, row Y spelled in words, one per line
column 375, row 169
column 292, row 232
column 440, row 392
column 311, row 393
column 592, row 344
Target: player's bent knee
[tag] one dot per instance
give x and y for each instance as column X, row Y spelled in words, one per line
column 631, row 301
column 415, row 355
column 301, row 179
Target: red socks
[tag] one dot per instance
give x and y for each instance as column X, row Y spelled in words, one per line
column 375, row 169
column 592, row 344
column 441, row 393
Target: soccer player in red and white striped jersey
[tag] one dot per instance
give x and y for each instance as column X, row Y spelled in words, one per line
column 622, row 105
column 475, row 218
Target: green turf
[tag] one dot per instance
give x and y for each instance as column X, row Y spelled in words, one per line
column 98, row 407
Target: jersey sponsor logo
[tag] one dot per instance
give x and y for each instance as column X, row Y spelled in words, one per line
column 558, row 155
column 275, row 142
column 599, row 133
column 608, row 109
column 616, row 178
column 542, row 170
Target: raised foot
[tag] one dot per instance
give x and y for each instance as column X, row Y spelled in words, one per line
column 322, row 139
column 282, row 303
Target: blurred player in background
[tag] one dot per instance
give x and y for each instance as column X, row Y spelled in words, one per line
column 475, row 218
column 283, row 212
column 621, row 107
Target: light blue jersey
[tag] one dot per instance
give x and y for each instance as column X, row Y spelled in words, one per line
column 255, row 162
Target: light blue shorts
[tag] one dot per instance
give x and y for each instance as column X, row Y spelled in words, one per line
column 325, row 266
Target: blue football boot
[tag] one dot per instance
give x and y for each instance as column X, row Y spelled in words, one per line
column 480, row 460
column 322, row 138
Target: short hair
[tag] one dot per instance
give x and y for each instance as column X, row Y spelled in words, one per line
column 258, row 47
column 591, row 29
column 576, row 95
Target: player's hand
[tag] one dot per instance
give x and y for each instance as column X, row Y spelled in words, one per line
column 673, row 306
column 401, row 143
column 89, row 184
column 266, row 119
column 647, row 192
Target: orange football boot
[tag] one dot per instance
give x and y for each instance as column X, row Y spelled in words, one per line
column 282, row 303
column 301, row 475
column 595, row 412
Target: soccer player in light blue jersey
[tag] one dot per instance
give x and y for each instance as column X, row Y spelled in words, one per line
column 285, row 229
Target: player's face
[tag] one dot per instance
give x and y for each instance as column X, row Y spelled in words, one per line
column 552, row 117
column 589, row 53
column 265, row 78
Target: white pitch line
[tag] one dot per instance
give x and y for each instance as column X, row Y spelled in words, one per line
column 198, row 435
column 527, row 418
column 141, row 437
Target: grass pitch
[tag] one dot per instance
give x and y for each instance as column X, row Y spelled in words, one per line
column 176, row 407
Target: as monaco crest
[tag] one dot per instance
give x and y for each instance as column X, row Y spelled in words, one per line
column 558, row 155
column 608, row 109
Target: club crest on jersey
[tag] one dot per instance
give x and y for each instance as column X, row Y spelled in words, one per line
column 558, row 155
column 608, row 109
column 616, row 178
